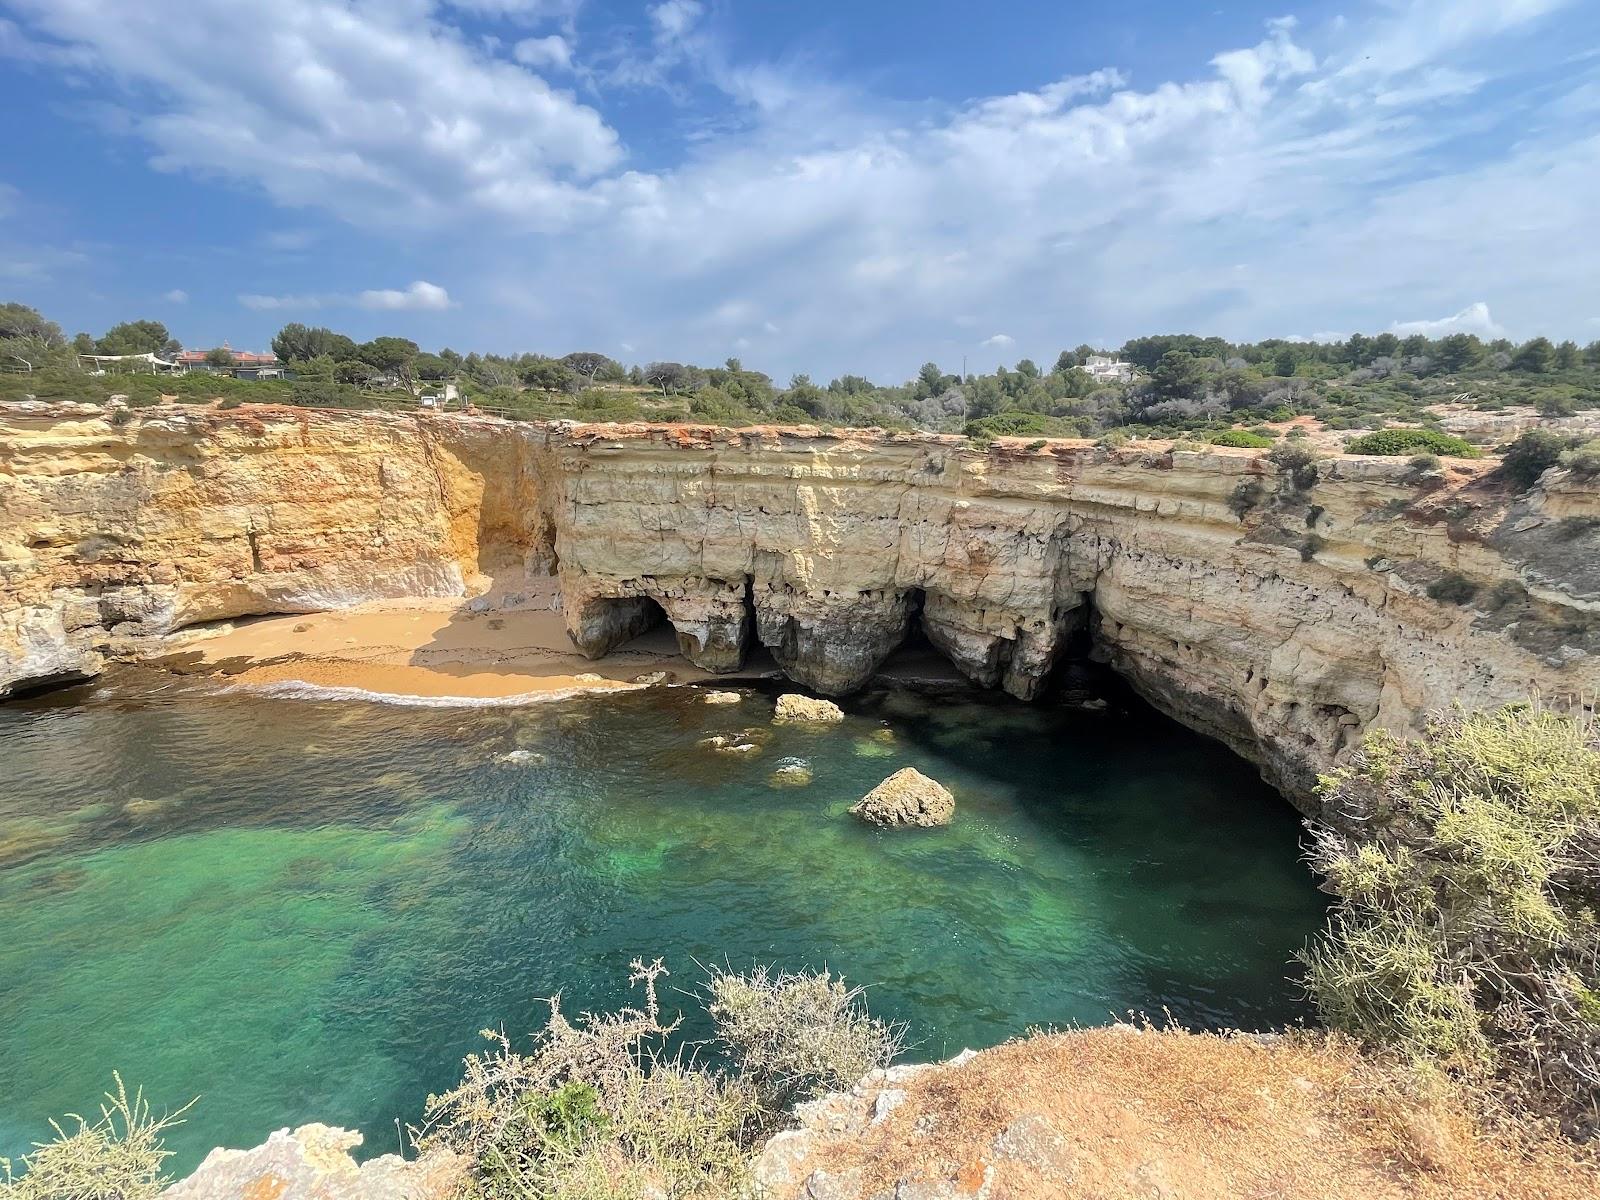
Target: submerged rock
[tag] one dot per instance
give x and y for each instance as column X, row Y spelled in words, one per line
column 721, row 698
column 908, row 797
column 795, row 709
column 744, row 741
column 867, row 748
column 521, row 758
column 792, row 773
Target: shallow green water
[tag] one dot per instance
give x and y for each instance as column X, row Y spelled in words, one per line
column 305, row 909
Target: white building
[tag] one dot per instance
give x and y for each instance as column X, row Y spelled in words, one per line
column 1102, row 368
column 440, row 397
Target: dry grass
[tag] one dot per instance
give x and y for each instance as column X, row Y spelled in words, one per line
column 1174, row 1114
column 117, row 1157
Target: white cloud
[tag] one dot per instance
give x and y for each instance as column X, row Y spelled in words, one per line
column 176, row 296
column 421, row 296
column 370, row 109
column 553, row 51
column 9, row 198
column 1474, row 318
column 1000, row 341
column 674, row 18
column 261, row 303
column 525, row 12
column 1321, row 178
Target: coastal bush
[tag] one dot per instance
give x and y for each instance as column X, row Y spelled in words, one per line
column 118, row 1157
column 1242, row 438
column 795, row 1036
column 1468, row 924
column 1012, row 424
column 1245, row 497
column 1422, row 467
column 1532, row 454
column 595, row 1110
column 599, row 1110
column 1396, row 442
column 1298, row 462
column 1453, row 588
column 1584, row 460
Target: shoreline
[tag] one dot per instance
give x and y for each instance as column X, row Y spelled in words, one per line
column 429, row 652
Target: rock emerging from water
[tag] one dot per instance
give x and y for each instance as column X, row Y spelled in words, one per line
column 908, row 797
column 795, row 710
column 744, row 741
column 721, row 698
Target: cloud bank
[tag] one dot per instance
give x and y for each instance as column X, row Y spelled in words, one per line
column 1421, row 156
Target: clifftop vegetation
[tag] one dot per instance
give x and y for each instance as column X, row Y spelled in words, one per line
column 1181, row 384
column 1467, row 864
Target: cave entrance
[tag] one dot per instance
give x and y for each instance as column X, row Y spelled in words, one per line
column 641, row 627
column 916, row 661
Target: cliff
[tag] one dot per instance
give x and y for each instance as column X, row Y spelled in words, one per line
column 1282, row 612
column 1118, row 1113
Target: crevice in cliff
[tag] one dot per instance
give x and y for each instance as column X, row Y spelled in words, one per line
column 602, row 623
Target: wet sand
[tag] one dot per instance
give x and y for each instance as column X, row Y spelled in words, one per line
column 433, row 649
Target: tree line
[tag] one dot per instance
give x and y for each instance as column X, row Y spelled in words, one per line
column 1184, row 382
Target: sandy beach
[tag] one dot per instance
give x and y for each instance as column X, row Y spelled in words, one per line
column 432, row 649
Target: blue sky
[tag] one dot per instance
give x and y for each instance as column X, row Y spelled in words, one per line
column 822, row 187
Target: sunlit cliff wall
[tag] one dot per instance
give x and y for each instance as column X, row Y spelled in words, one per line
column 1281, row 616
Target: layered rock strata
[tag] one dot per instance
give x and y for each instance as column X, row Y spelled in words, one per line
column 1282, row 615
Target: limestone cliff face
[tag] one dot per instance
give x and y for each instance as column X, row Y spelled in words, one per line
column 113, row 535
column 1280, row 615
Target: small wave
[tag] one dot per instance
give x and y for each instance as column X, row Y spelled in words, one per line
column 298, row 690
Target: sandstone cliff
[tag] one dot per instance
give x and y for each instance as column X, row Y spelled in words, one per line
column 1280, row 615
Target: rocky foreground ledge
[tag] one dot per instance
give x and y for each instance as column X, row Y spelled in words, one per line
column 1115, row 1114
column 1281, row 610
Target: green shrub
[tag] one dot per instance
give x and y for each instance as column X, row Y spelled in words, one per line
column 796, row 1036
column 118, row 1157
column 1245, row 497
column 595, row 1110
column 1466, row 928
column 1532, row 454
column 1583, row 461
column 1453, row 589
column 1297, row 462
column 1409, row 441
column 1011, row 424
column 598, row 1111
column 1241, row 438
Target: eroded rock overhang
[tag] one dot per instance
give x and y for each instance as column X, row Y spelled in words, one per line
column 1282, row 615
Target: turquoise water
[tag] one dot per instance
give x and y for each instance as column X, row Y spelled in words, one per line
column 305, row 909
